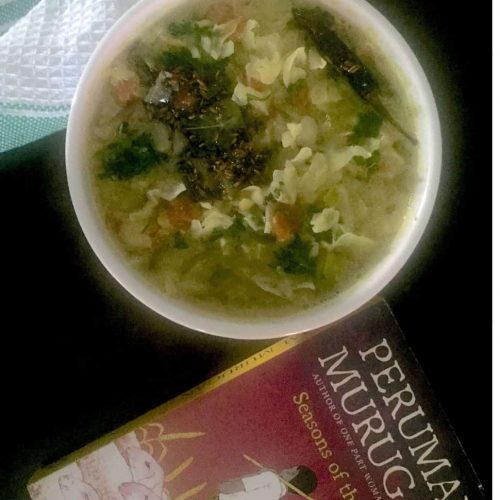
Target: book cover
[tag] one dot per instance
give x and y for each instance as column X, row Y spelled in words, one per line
column 345, row 413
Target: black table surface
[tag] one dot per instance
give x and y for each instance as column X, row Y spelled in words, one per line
column 80, row 357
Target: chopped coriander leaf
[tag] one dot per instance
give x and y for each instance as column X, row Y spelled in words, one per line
column 234, row 233
column 294, row 258
column 236, row 228
column 367, row 126
column 189, row 28
column 179, row 241
column 129, row 155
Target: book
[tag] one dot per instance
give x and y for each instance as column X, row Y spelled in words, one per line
column 343, row 413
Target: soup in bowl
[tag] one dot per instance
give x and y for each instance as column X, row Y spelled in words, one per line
column 253, row 169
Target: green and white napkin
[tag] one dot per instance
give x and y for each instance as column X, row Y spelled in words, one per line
column 44, row 46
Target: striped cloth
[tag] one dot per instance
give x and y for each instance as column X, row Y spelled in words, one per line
column 44, row 46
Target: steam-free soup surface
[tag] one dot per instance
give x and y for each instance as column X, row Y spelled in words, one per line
column 236, row 166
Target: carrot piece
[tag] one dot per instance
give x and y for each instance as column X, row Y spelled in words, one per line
column 182, row 211
column 285, row 224
column 127, row 90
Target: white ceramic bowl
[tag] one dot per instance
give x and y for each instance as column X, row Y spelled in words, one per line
column 363, row 16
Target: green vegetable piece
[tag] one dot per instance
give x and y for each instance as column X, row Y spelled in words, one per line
column 129, row 155
column 367, row 126
column 295, row 258
column 217, row 126
column 297, row 86
column 333, row 266
column 179, row 241
column 371, row 163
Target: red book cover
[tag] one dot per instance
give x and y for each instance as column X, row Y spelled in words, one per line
column 345, row 413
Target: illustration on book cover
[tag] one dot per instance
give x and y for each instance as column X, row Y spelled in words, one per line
column 345, row 414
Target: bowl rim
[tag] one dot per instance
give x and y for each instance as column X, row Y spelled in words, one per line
column 228, row 326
